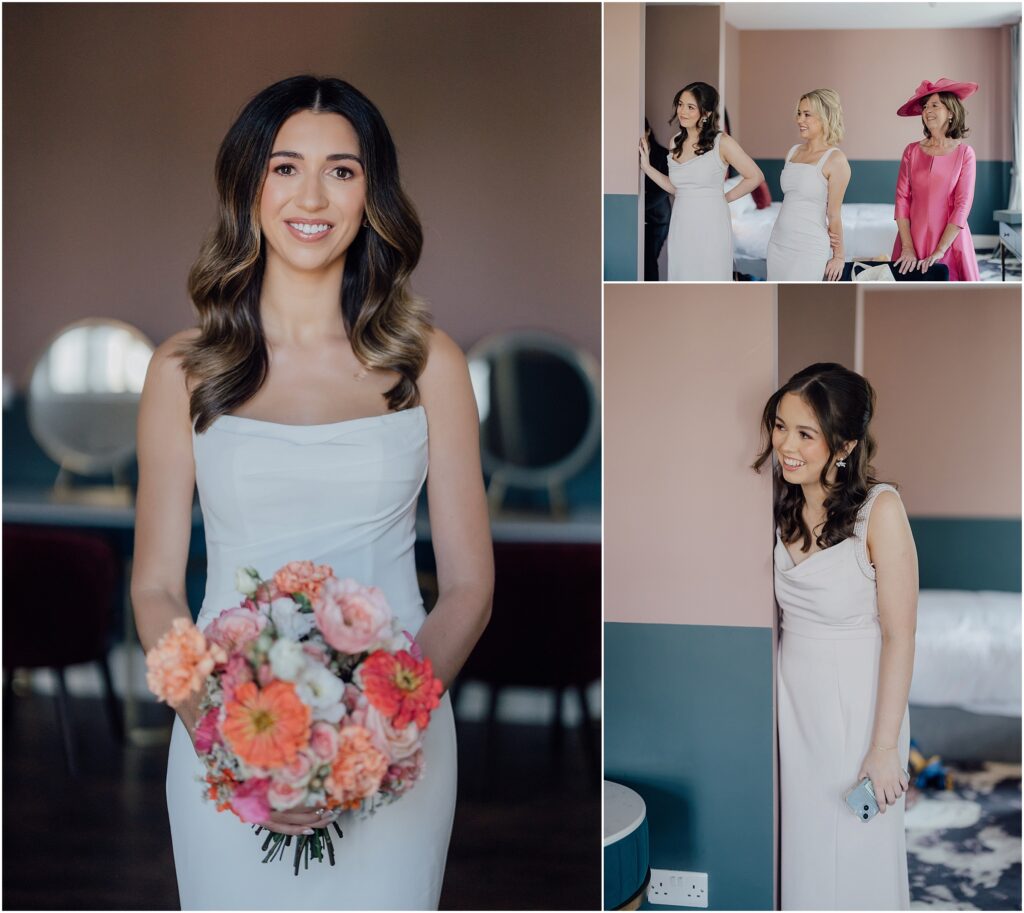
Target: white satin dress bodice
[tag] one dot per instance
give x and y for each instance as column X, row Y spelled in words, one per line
column 342, row 494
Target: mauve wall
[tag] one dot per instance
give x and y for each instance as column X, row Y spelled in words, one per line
column 682, row 47
column 732, row 88
column 113, row 115
column 816, row 323
column 623, row 95
column 874, row 71
column 947, row 366
column 687, row 374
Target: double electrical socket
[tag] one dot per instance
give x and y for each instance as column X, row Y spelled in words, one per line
column 678, row 889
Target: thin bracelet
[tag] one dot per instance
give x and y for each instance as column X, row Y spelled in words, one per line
column 880, row 748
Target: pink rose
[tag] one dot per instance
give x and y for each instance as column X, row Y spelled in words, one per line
column 234, row 628
column 402, row 776
column 398, row 743
column 236, row 673
column 207, row 732
column 352, row 617
column 250, row 802
column 283, row 795
column 323, row 740
column 297, row 773
column 265, row 675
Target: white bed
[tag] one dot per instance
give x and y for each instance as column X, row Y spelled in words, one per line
column 968, row 652
column 869, row 232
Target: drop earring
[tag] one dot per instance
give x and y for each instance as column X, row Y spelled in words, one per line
column 841, row 463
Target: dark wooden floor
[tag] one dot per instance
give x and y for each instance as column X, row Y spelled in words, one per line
column 527, row 829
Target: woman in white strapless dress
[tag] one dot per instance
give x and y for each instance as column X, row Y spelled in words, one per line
column 806, row 243
column 307, row 407
column 846, row 584
column 700, row 231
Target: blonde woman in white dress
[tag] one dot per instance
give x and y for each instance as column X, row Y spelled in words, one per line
column 846, row 584
column 814, row 181
column 700, row 231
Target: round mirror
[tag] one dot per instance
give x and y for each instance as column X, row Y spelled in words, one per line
column 83, row 397
column 540, row 413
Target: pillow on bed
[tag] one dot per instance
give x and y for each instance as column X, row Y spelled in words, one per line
column 762, row 196
column 743, row 204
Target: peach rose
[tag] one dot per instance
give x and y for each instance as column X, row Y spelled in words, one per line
column 323, row 741
column 353, row 618
column 398, row 743
column 234, row 628
column 284, row 795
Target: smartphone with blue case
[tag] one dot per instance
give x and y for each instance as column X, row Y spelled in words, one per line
column 861, row 799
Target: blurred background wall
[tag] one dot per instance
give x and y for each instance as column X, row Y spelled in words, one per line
column 113, row 114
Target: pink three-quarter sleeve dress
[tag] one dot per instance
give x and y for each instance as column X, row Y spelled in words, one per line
column 934, row 191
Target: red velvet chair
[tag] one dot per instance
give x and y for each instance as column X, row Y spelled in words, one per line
column 60, row 588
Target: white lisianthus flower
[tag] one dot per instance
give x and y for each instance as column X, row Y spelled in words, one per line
column 289, row 621
column 320, row 689
column 287, row 659
column 246, row 580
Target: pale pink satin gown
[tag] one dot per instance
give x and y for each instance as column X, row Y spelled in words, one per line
column 829, row 648
column 934, row 191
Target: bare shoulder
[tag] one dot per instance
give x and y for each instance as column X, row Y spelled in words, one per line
column 888, row 515
column 837, row 164
column 446, row 363
column 166, row 376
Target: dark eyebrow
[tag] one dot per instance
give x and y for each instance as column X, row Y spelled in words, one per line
column 334, row 157
column 800, row 427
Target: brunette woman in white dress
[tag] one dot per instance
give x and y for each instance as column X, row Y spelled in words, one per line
column 300, row 406
column 846, row 584
column 700, row 231
column 814, row 181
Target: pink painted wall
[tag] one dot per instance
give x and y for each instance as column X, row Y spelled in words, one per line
column 682, row 46
column 817, row 322
column 874, row 71
column 688, row 525
column 623, row 95
column 947, row 369
column 112, row 122
column 732, row 88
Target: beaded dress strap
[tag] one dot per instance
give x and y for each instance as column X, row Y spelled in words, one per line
column 860, row 529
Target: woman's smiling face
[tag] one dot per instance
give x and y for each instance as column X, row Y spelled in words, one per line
column 687, row 110
column 808, row 122
column 798, row 442
column 314, row 192
column 936, row 116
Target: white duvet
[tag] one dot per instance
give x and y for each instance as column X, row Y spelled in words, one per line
column 968, row 651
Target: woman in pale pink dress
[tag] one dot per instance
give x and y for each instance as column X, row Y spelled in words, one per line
column 935, row 187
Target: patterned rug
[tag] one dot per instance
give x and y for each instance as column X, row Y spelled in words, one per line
column 989, row 268
column 963, row 846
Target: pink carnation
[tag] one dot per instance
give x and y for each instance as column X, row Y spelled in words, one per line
column 303, row 577
column 358, row 769
column 235, row 628
column 353, row 618
column 178, row 665
column 250, row 801
column 207, row 732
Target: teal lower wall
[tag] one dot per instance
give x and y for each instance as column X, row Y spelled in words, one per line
column 875, row 182
column 968, row 553
column 688, row 725
column 620, row 237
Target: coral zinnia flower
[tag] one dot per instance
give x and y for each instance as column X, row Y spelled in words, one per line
column 401, row 688
column 266, row 727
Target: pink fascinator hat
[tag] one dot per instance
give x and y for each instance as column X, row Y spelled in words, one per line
column 961, row 90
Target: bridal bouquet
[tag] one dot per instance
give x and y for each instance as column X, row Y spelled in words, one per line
column 312, row 696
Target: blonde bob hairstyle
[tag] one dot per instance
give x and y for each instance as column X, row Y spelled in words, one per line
column 826, row 104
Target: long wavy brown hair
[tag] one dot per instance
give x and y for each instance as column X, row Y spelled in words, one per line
column 386, row 326
column 707, row 100
column 843, row 403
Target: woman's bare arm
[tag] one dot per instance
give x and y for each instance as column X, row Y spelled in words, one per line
column 892, row 551
column 733, row 154
column 459, row 520
column 837, row 173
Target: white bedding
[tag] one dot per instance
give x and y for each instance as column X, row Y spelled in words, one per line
column 869, row 230
column 968, row 651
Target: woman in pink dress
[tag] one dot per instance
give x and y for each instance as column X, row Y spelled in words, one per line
column 935, row 187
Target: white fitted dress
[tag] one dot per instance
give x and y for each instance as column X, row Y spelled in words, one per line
column 700, row 231
column 799, row 247
column 829, row 648
column 343, row 494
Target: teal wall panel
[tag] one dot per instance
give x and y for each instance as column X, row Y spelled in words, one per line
column 968, row 553
column 688, row 725
column 620, row 237
column 875, row 182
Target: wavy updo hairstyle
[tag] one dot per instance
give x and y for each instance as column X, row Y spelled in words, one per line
column 387, row 328
column 707, row 100
column 826, row 104
column 958, row 121
column 843, row 403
